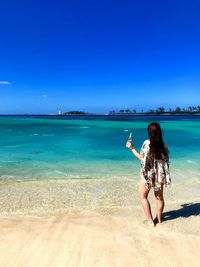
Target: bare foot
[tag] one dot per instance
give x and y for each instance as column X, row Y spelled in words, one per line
column 149, row 223
column 157, row 221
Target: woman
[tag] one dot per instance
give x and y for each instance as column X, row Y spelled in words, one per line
column 154, row 157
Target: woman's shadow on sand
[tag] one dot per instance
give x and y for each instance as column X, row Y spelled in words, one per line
column 186, row 210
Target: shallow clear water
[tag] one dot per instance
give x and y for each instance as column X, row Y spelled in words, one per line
column 47, row 148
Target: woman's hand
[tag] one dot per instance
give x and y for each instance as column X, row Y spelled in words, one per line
column 129, row 144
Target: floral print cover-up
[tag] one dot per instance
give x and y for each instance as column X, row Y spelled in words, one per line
column 156, row 173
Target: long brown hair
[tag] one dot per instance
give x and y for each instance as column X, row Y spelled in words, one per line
column 158, row 149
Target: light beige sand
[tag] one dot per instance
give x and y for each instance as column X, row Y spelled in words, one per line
column 95, row 223
column 89, row 239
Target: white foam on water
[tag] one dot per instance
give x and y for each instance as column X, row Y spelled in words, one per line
column 60, row 172
column 9, row 161
column 191, row 162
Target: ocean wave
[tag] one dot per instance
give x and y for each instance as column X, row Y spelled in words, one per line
column 192, row 162
column 84, row 127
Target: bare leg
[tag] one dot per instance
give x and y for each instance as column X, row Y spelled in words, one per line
column 159, row 204
column 145, row 203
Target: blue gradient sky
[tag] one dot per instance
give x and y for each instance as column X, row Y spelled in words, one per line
column 98, row 55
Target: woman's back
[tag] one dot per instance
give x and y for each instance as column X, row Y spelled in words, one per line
column 154, row 171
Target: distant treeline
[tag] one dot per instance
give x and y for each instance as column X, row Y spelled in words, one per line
column 159, row 110
column 74, row 112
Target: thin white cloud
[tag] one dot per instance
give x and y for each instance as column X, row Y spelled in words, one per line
column 4, row 82
column 44, row 95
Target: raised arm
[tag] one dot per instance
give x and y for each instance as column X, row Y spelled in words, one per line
column 129, row 145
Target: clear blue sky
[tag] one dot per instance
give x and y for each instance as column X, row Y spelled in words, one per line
column 98, row 55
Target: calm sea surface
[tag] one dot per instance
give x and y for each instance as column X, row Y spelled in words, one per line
column 65, row 148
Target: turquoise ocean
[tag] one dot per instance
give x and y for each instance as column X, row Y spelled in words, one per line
column 71, row 149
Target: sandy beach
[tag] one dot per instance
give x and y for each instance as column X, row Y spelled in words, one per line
column 90, row 239
column 105, row 236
